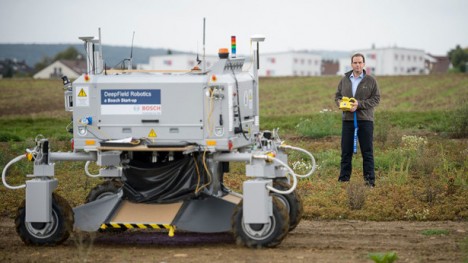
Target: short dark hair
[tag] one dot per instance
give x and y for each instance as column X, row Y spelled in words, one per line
column 358, row 55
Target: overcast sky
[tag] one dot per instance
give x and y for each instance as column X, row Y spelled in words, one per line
column 435, row 26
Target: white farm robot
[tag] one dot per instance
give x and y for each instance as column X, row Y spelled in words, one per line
column 163, row 142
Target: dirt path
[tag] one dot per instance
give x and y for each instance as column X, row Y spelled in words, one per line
column 312, row 241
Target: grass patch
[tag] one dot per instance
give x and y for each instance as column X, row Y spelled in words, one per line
column 7, row 137
column 323, row 124
column 23, row 128
column 415, row 120
column 286, row 124
column 435, row 232
column 328, row 123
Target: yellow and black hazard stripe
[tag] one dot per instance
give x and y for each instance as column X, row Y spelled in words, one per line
column 170, row 228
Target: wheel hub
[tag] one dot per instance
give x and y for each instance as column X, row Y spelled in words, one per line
column 259, row 231
column 43, row 230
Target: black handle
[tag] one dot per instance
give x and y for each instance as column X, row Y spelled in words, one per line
column 150, row 121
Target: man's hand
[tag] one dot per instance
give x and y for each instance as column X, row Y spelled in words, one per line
column 354, row 106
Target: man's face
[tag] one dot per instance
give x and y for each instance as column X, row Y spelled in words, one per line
column 358, row 64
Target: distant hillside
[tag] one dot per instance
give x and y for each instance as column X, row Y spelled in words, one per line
column 33, row 53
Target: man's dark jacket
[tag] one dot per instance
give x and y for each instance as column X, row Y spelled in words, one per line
column 367, row 95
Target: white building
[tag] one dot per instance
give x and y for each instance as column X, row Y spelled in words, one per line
column 290, row 64
column 273, row 64
column 70, row 68
column 390, row 61
column 176, row 62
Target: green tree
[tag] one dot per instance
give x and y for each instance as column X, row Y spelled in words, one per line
column 8, row 71
column 69, row 53
column 45, row 61
column 459, row 57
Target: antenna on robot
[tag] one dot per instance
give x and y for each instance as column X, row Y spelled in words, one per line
column 130, row 66
column 204, row 60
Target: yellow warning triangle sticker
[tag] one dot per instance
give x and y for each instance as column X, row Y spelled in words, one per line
column 82, row 93
column 152, row 134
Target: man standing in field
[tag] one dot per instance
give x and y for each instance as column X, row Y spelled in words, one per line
column 365, row 90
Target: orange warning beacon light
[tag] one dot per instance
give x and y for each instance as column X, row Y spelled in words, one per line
column 86, row 77
column 223, row 53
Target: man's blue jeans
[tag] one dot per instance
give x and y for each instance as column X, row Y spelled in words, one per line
column 365, row 136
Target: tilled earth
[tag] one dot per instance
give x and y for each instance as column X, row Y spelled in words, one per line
column 311, row 241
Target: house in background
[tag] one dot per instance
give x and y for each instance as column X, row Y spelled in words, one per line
column 290, row 64
column 70, row 68
column 330, row 67
column 390, row 61
column 437, row 64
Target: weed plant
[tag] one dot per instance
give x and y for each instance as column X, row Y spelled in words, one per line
column 388, row 257
column 356, row 195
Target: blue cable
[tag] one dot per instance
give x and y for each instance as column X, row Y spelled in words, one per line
column 355, row 133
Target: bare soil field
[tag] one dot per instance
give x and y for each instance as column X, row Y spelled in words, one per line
column 311, row 241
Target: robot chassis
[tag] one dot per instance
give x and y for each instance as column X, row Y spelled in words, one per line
column 180, row 130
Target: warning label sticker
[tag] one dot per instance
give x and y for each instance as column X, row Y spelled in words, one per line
column 82, row 98
column 152, row 134
column 130, row 102
column 82, row 93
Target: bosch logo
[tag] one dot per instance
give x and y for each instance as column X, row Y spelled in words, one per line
column 151, row 108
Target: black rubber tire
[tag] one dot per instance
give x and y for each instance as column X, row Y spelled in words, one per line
column 274, row 232
column 46, row 234
column 104, row 189
column 292, row 201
